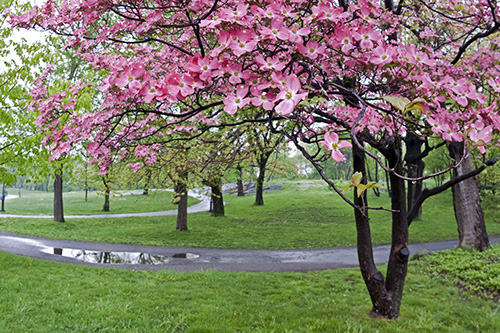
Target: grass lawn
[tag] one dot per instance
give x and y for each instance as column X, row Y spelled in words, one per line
column 41, row 203
column 42, row 296
column 454, row 291
column 295, row 217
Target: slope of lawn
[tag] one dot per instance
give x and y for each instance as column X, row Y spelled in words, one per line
column 294, row 217
column 42, row 296
column 41, row 203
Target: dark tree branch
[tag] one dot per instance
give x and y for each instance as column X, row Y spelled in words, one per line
column 426, row 193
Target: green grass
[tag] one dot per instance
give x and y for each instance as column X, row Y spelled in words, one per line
column 41, row 203
column 476, row 272
column 42, row 296
column 295, row 217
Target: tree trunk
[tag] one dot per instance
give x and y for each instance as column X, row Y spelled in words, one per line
column 415, row 168
column 86, row 183
column 106, row 201
column 145, row 190
column 175, row 195
column 399, row 255
column 259, row 187
column 217, row 200
column 181, row 193
column 239, row 182
column 106, row 194
column 374, row 280
column 58, row 197
column 387, row 181
column 385, row 295
column 467, row 204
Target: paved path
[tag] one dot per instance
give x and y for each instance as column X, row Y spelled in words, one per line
column 202, row 206
column 193, row 259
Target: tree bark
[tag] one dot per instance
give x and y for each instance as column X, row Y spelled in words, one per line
column 106, row 194
column 145, row 190
column 239, row 182
column 399, row 255
column 414, row 168
column 58, row 197
column 86, row 183
column 259, row 187
column 467, row 203
column 181, row 193
column 217, row 200
column 374, row 280
column 386, row 295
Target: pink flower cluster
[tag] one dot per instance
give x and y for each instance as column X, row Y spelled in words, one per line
column 286, row 58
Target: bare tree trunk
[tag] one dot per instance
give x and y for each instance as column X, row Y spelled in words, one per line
column 387, row 181
column 374, row 280
column 467, row 204
column 145, row 190
column 217, row 200
column 385, row 295
column 415, row 168
column 106, row 194
column 181, row 192
column 239, row 182
column 399, row 255
column 58, row 197
column 259, row 187
column 86, row 183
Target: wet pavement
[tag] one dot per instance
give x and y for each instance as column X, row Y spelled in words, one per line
column 194, row 259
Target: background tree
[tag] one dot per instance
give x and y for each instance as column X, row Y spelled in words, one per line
column 265, row 143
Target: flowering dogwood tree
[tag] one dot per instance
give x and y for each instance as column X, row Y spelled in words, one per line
column 322, row 72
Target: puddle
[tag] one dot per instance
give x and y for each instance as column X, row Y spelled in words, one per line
column 131, row 258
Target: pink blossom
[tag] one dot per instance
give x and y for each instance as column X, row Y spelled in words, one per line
column 245, row 42
column 437, row 126
column 381, row 55
column 312, row 49
column 234, row 102
column 266, row 99
column 286, row 11
column 130, row 78
column 367, row 36
column 225, row 40
column 289, row 96
column 277, row 30
column 331, row 143
column 345, row 38
column 480, row 135
column 236, row 74
column 151, row 91
column 295, row 34
column 134, row 166
column 495, row 84
column 270, row 63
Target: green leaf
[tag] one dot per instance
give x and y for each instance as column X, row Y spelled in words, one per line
column 356, row 178
column 345, row 188
column 404, row 104
column 373, row 185
column 397, row 101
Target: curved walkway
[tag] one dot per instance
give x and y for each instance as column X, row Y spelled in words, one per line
column 194, row 259
column 202, row 206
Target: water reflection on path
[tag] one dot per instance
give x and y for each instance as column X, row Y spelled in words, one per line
column 132, row 258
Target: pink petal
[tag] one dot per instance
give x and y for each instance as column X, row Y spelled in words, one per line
column 285, row 107
column 337, row 156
